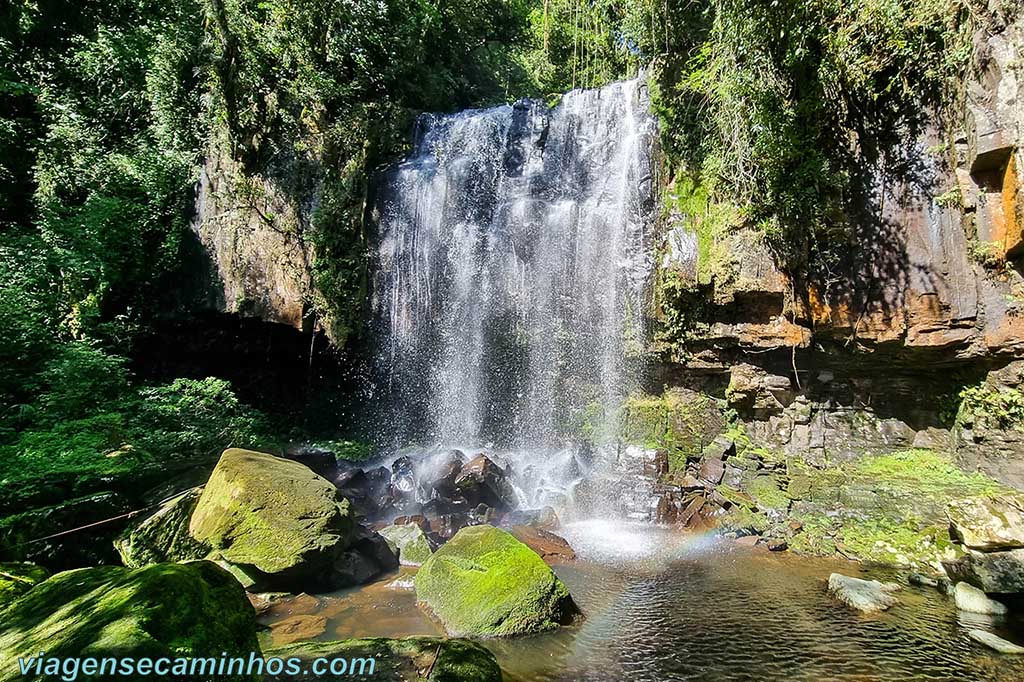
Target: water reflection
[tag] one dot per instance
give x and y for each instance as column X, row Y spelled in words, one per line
column 663, row 607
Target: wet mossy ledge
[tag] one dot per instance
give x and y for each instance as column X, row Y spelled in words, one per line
column 716, row 471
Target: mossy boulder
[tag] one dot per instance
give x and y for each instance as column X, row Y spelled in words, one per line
column 409, row 542
column 195, row 609
column 988, row 523
column 17, row 577
column 163, row 536
column 485, row 583
column 414, row 659
column 273, row 517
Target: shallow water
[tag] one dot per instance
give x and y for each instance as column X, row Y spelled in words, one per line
column 662, row 606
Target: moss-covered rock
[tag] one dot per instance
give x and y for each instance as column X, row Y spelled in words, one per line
column 989, row 523
column 409, row 542
column 194, row 609
column 17, row 577
column 163, row 536
column 275, row 516
column 485, row 583
column 679, row 422
column 414, row 659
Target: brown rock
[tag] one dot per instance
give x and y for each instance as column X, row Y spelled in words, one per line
column 553, row 549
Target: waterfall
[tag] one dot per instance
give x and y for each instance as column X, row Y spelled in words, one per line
column 514, row 257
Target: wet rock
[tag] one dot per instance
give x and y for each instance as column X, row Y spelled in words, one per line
column 544, row 518
column 263, row 602
column 17, row 577
column 486, row 583
column 192, row 610
column 551, row 548
column 777, row 545
column 483, row 481
column 164, row 536
column 366, row 557
column 396, row 660
column 482, row 514
column 447, row 525
column 712, row 470
column 988, row 523
column 969, row 598
column 436, row 475
column 869, row 596
column 720, row 448
column 297, row 629
column 408, row 542
column 1001, row 572
column 940, row 582
column 995, row 642
column 323, row 462
column 418, row 520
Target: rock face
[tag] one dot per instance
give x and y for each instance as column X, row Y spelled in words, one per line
column 274, row 515
column 869, row 596
column 485, row 583
column 195, row 609
column 16, row 578
column 971, row 599
column 409, row 542
column 989, row 523
column 164, row 536
column 415, row 659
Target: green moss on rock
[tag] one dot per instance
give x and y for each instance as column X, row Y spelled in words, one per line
column 17, row 578
column 194, row 609
column 485, row 583
column 273, row 514
column 414, row 659
column 679, row 422
column 164, row 536
column 408, row 542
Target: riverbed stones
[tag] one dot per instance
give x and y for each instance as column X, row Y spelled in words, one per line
column 194, row 609
column 995, row 642
column 409, row 542
column 989, row 523
column 164, row 536
column 969, row 598
column 868, row 596
column 486, row 583
column 413, row 659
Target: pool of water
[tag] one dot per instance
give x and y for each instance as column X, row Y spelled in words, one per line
column 661, row 606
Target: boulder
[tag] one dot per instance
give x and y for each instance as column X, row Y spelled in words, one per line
column 553, row 549
column 969, row 598
column 414, row 659
column 869, row 596
column 367, row 556
column 1001, row 572
column 163, row 536
column 193, row 610
column 988, row 523
column 995, row 642
column 18, row 577
column 436, row 474
column 483, row 481
column 485, row 583
column 275, row 519
column 409, row 542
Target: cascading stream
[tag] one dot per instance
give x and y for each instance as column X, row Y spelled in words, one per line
column 514, row 257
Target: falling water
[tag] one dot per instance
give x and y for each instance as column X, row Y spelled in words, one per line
column 514, row 257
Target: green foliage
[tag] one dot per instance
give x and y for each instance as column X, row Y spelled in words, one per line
column 790, row 105
column 997, row 407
